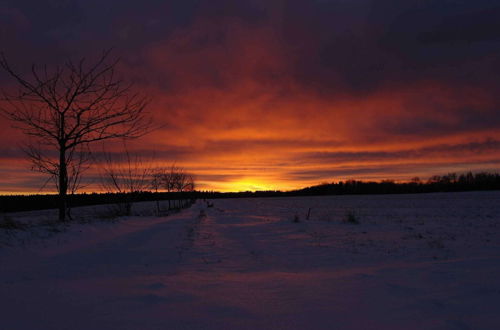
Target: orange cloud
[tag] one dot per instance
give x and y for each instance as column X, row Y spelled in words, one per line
column 236, row 115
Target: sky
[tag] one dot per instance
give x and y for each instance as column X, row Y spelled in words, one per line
column 275, row 94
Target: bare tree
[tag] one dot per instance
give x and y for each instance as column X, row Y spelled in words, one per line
column 172, row 180
column 179, row 181
column 184, row 182
column 169, row 181
column 70, row 106
column 157, row 178
column 188, row 186
column 126, row 174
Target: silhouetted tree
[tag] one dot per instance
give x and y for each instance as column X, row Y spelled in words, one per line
column 169, row 181
column 126, row 174
column 70, row 106
column 185, row 184
column 176, row 180
column 157, row 184
column 415, row 180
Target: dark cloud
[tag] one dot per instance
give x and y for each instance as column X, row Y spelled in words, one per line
column 360, row 45
column 443, row 121
column 332, row 46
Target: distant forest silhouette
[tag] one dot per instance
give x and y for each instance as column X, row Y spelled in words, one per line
column 447, row 183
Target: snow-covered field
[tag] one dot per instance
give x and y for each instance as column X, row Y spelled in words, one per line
column 428, row 261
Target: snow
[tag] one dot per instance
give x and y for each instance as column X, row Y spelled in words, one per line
column 429, row 261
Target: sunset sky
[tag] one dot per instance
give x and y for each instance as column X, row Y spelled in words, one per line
column 275, row 94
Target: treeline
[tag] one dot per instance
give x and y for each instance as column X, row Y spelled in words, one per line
column 446, row 183
column 16, row 203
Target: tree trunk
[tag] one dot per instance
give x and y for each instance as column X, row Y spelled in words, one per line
column 63, row 184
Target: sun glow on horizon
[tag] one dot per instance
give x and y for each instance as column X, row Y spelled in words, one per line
column 245, row 185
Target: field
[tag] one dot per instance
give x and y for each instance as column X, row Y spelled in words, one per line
column 424, row 261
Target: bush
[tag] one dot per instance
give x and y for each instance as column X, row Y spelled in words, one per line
column 351, row 217
column 6, row 222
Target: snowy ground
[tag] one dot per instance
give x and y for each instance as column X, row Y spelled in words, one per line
column 427, row 261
